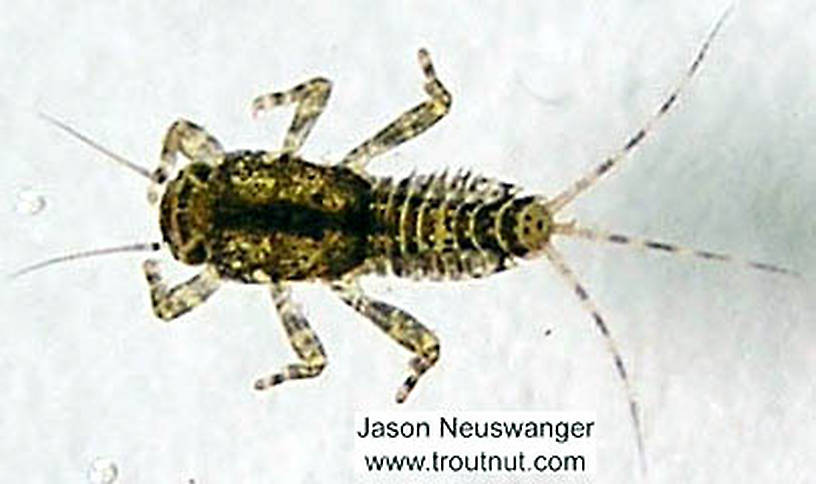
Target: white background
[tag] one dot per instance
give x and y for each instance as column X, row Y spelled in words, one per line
column 722, row 358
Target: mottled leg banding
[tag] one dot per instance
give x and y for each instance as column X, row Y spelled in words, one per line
column 310, row 96
column 193, row 142
column 171, row 303
column 400, row 326
column 409, row 125
column 304, row 341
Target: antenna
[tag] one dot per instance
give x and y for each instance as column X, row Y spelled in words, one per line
column 139, row 247
column 110, row 154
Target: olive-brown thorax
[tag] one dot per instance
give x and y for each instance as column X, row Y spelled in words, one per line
column 260, row 217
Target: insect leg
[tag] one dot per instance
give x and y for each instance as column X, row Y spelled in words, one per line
column 304, row 341
column 612, row 346
column 410, row 123
column 193, row 142
column 591, row 178
column 171, row 303
column 400, row 326
column 310, row 96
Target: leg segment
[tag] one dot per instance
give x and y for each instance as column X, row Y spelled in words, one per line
column 171, row 303
column 304, row 341
column 311, row 98
column 193, row 142
column 400, row 326
column 410, row 124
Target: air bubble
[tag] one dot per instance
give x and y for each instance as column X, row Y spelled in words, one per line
column 102, row 471
column 29, row 202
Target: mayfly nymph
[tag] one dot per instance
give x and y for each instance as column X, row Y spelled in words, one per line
column 271, row 217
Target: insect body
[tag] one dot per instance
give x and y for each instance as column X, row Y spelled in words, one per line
column 273, row 218
column 260, row 217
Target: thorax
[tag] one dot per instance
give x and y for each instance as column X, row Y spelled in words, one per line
column 259, row 216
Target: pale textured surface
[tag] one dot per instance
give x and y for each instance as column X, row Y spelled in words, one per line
column 721, row 357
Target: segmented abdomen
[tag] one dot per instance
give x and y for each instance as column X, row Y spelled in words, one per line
column 445, row 227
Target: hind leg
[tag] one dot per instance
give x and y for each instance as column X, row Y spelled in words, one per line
column 400, row 326
column 409, row 125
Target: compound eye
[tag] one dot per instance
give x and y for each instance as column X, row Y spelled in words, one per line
column 197, row 254
column 201, row 171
